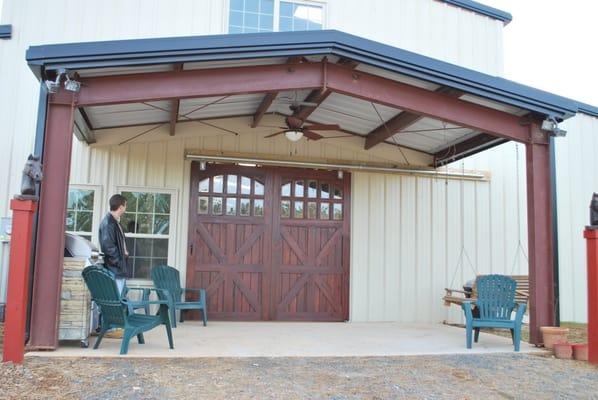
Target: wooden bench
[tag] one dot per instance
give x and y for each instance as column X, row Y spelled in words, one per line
column 457, row 297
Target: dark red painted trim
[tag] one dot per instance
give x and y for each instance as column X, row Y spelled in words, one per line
column 466, row 148
column 540, row 238
column 49, row 255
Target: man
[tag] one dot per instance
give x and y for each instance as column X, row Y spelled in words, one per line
column 112, row 244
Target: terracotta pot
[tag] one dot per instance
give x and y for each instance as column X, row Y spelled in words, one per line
column 563, row 350
column 580, row 351
column 553, row 334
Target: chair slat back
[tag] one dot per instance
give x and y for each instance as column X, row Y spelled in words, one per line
column 167, row 278
column 104, row 292
column 496, row 296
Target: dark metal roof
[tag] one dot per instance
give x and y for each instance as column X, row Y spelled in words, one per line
column 5, row 31
column 136, row 52
column 482, row 9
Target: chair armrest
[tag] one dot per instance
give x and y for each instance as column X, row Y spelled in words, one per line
column 131, row 303
column 466, row 306
column 520, row 311
column 449, row 291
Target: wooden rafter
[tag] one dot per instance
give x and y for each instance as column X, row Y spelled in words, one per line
column 175, row 105
column 400, row 122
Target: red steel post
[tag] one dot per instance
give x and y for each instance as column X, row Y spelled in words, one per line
column 591, row 236
column 18, row 280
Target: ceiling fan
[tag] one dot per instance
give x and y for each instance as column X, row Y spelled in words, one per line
column 295, row 130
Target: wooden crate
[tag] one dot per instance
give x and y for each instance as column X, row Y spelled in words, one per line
column 75, row 303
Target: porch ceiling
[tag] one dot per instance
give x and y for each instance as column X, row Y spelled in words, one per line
column 375, row 122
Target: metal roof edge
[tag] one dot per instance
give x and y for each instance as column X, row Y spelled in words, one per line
column 482, row 9
column 587, row 109
column 238, row 46
column 5, row 31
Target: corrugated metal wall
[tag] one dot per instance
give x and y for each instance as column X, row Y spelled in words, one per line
column 426, row 234
column 577, row 179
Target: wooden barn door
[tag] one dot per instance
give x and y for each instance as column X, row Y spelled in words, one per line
column 311, row 246
column 270, row 243
column 229, row 249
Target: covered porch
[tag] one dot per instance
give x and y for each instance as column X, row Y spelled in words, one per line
column 393, row 113
column 298, row 339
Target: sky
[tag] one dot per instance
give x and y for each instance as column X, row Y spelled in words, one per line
column 553, row 45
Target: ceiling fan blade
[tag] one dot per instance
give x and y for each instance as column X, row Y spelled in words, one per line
column 312, row 135
column 323, row 127
column 275, row 134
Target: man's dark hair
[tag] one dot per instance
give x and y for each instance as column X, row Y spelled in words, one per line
column 116, row 201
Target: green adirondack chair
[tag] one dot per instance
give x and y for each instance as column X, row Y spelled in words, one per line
column 117, row 311
column 168, row 279
column 495, row 304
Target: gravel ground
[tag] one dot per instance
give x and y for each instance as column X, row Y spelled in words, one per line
column 431, row 377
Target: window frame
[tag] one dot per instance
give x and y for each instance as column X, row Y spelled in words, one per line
column 172, row 230
column 276, row 23
column 97, row 210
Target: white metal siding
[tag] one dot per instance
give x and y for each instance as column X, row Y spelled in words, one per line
column 577, row 179
column 408, row 233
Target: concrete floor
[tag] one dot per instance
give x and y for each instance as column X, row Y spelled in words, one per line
column 296, row 339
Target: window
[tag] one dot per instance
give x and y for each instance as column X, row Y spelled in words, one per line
column 231, row 195
column 311, row 199
column 80, row 212
column 147, row 227
column 250, row 16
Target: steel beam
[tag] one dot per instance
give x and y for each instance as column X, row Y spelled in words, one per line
column 175, row 105
column 540, row 238
column 463, row 149
column 49, row 254
column 263, row 107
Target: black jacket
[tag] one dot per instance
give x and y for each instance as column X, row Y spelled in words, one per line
column 112, row 244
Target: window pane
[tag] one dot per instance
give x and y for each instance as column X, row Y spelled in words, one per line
column 231, row 184
column 258, row 188
column 204, row 185
column 251, row 21
column 202, row 205
column 145, row 202
column 267, row 7
column 235, row 18
column 142, row 268
column 324, row 190
column 231, row 206
column 85, row 200
column 83, row 223
column 258, row 208
column 312, row 210
column 285, row 24
column 70, row 221
column 252, row 5
column 244, row 208
column 235, row 29
column 144, row 223
column 161, row 224
column 236, row 5
column 324, row 211
column 162, row 203
column 266, row 23
column 338, row 211
column 217, row 182
column 286, row 9
column 143, row 247
column 245, row 185
column 251, row 30
column 298, row 209
column 131, row 201
column 127, row 221
column 299, row 24
column 312, row 189
column 71, row 203
column 160, row 248
column 298, row 188
column 216, row 205
column 285, row 190
column 285, row 208
column 338, row 192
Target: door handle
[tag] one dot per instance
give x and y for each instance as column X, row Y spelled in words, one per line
column 191, row 249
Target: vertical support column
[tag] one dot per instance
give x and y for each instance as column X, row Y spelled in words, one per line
column 591, row 236
column 47, row 280
column 18, row 280
column 540, row 235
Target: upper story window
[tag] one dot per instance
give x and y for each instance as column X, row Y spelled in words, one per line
column 79, row 212
column 250, row 16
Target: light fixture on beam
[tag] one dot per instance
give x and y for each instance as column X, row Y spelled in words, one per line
column 550, row 125
column 72, row 85
column 293, row 135
column 69, row 84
